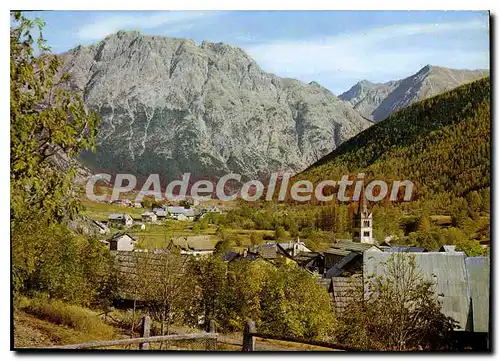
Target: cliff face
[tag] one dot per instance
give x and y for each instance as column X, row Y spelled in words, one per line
column 170, row 106
column 378, row 101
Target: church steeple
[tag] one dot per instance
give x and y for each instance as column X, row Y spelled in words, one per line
column 363, row 222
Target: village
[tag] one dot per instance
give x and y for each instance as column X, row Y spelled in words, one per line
column 342, row 269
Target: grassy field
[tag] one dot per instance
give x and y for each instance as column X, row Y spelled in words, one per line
column 158, row 235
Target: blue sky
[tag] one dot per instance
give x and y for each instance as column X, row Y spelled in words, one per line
column 334, row 48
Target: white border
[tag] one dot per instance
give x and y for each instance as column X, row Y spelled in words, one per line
column 195, row 5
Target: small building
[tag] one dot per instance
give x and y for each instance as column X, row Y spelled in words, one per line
column 137, row 205
column 161, row 214
column 193, row 245
column 120, row 220
column 274, row 253
column 123, row 202
column 294, row 248
column 181, row 213
column 122, row 242
column 149, row 217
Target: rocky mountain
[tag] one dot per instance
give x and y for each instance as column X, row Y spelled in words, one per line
column 378, row 101
column 171, row 106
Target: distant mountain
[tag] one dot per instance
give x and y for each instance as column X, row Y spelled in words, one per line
column 442, row 144
column 378, row 101
column 170, row 106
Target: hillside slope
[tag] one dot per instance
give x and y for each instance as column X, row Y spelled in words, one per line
column 170, row 106
column 378, row 101
column 442, row 144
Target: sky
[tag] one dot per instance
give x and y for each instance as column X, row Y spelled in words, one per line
column 334, row 48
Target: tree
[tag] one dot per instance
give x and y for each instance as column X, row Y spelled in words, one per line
column 48, row 122
column 162, row 285
column 209, row 277
column 279, row 233
column 294, row 304
column 400, row 311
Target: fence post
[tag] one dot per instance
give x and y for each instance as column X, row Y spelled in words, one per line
column 146, row 328
column 211, row 344
column 248, row 339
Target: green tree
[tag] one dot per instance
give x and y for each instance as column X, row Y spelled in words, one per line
column 48, row 122
column 279, row 233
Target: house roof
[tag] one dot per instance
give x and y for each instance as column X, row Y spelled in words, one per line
column 230, row 256
column 194, row 243
column 149, row 214
column 117, row 216
column 446, row 269
column 353, row 246
column 177, row 209
column 405, row 249
column 101, row 225
column 307, row 256
column 119, row 235
column 337, row 252
column 450, row 248
column 478, row 271
column 340, row 266
column 345, row 290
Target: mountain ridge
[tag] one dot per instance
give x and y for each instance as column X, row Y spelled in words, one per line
column 171, row 106
column 376, row 101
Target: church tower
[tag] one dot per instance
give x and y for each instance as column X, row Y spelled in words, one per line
column 362, row 227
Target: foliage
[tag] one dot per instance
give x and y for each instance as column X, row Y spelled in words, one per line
column 162, row 284
column 48, row 123
column 285, row 300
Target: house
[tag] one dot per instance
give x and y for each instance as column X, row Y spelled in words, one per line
column 193, row 201
column 149, row 217
column 120, row 220
column 137, row 205
column 161, row 213
column 312, row 261
column 450, row 249
column 462, row 283
column 274, row 253
column 181, row 213
column 294, row 248
column 193, row 245
column 101, row 227
column 122, row 242
column 345, row 257
column 246, row 254
column 123, row 202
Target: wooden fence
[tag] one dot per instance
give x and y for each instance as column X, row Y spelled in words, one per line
column 146, row 339
column 250, row 334
column 249, row 337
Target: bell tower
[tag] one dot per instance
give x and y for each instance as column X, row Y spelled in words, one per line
column 362, row 227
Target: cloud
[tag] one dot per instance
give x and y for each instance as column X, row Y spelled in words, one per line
column 105, row 25
column 385, row 53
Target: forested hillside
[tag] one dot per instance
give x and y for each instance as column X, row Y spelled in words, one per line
column 442, row 144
